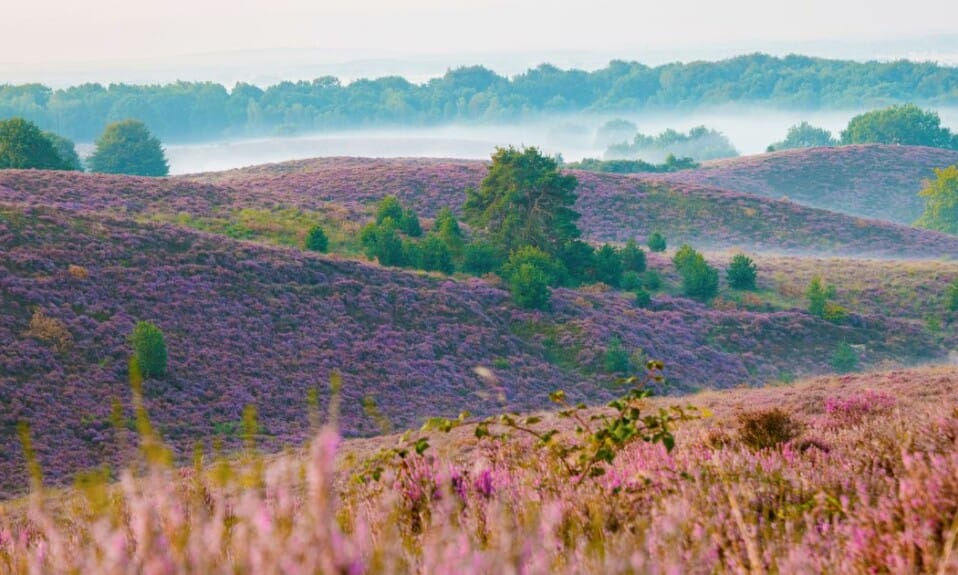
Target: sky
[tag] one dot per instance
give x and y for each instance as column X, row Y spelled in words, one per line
column 43, row 36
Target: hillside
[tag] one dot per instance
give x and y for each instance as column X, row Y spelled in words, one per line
column 871, row 181
column 253, row 324
column 613, row 207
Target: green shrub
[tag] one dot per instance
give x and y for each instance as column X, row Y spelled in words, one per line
column 834, row 313
column 316, row 240
column 951, row 296
column 652, row 280
column 642, row 298
column 818, row 294
column 656, row 242
column 409, row 224
column 742, row 272
column 767, row 428
column 608, row 266
column 630, row 281
column 845, row 359
column 553, row 271
column 699, row 280
column 434, row 255
column 389, row 207
column 683, row 257
column 479, row 258
column 615, row 359
column 149, row 349
column 632, row 256
column 578, row 258
column 382, row 242
column 529, row 286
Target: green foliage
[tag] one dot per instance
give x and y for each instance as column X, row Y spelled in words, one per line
column 529, row 286
column 435, row 255
column 656, row 242
column 699, row 280
column 409, row 224
column 633, row 258
column 906, row 124
column 389, row 207
column 671, row 164
column 578, row 257
column 653, row 281
column 524, row 201
column 818, row 294
column 699, row 144
column 67, row 151
column 742, row 272
column 554, row 272
column 630, row 281
column 805, row 135
column 382, row 242
column 767, row 428
column 616, row 358
column 642, row 298
column 941, row 201
column 608, row 266
column 149, row 349
column 951, row 296
column 316, row 240
column 127, row 147
column 446, row 227
column 480, row 258
column 845, row 359
column 24, row 146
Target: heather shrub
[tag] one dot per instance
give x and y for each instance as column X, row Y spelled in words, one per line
column 656, row 242
column 78, row 272
column 741, row 272
column 633, row 258
column 767, row 428
column 316, row 240
column 849, row 411
column 480, row 258
column 844, row 359
column 149, row 349
column 50, row 330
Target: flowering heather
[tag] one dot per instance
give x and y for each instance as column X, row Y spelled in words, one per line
column 249, row 324
column 880, row 496
column 872, row 181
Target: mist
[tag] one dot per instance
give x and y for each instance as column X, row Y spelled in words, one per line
column 750, row 129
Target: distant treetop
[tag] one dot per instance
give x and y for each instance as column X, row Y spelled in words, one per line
column 127, row 147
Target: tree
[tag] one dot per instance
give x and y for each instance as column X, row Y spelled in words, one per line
column 529, row 286
column 656, row 242
column 127, row 147
column 907, row 125
column 633, row 258
column 446, row 226
column 741, row 272
column 524, row 201
column 389, row 207
column 845, row 359
column 149, row 349
column 818, row 294
column 316, row 240
column 699, row 280
column 67, row 151
column 382, row 242
column 941, row 201
column 555, row 272
column 434, row 255
column 24, row 146
column 409, row 224
column 479, row 258
column 805, row 135
column 608, row 266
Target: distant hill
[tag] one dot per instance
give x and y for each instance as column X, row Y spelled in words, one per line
column 872, row 181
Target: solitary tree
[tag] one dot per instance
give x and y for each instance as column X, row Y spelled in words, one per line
column 741, row 272
column 656, row 242
column 149, row 349
column 127, row 147
column 316, row 240
column 24, row 146
column 524, row 201
column 907, row 125
column 941, row 201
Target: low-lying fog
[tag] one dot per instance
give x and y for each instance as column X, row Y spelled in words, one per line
column 750, row 130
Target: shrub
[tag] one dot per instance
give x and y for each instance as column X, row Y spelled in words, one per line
column 656, row 242
column 834, row 313
column 741, row 272
column 553, row 271
column 529, row 286
column 630, row 281
column 951, row 296
column 434, row 255
column 615, row 359
column 684, row 256
column 409, row 224
column 78, row 272
column 578, row 258
column 642, row 298
column 818, row 294
column 480, row 258
column 389, row 207
column 767, row 428
column 632, row 256
column 653, row 281
column 853, row 410
column 608, row 266
column 149, row 349
column 316, row 240
column 845, row 359
column 51, row 330
column 382, row 242
column 699, row 280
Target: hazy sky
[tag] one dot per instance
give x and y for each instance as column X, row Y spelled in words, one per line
column 56, row 32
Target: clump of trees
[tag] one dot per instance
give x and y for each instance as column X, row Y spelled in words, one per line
column 128, row 147
column 941, row 201
column 905, row 124
column 698, row 144
column 804, row 135
column 24, row 146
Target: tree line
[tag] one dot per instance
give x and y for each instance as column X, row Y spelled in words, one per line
column 183, row 111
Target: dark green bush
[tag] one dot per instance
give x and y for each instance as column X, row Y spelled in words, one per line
column 578, row 258
column 382, row 242
column 529, row 286
column 951, row 296
column 608, row 266
column 434, row 255
column 554, row 272
column 316, row 240
column 409, row 224
column 656, row 242
column 149, row 349
column 615, row 359
column 653, row 281
column 389, row 207
column 742, row 272
column 633, row 258
column 845, row 359
column 630, row 281
column 642, row 298
column 479, row 258
column 699, row 280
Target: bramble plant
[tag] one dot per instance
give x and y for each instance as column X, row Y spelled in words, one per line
column 149, row 349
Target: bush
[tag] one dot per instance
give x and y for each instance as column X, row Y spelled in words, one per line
column 316, row 240
column 479, row 258
column 608, row 266
column 767, row 428
column 389, row 207
column 845, row 359
column 409, row 224
column 382, row 242
column 699, row 280
column 149, row 349
column 50, row 329
column 434, row 255
column 642, row 298
column 653, row 281
column 633, row 258
column 741, row 272
column 529, row 286
column 578, row 258
column 615, row 359
column 656, row 242
column 553, row 271
column 951, row 296
column 630, row 281
column 818, row 294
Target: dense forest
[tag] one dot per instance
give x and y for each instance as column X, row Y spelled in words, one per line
column 185, row 111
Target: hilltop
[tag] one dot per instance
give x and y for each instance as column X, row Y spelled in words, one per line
column 870, row 181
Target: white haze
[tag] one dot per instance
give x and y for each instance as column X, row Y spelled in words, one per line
column 751, row 130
